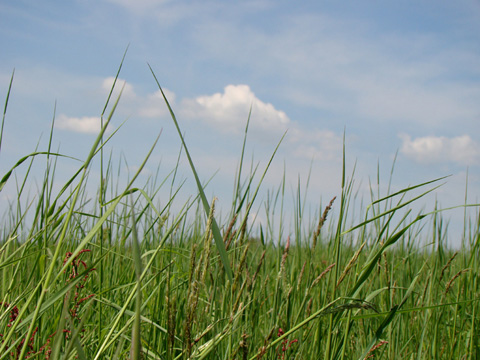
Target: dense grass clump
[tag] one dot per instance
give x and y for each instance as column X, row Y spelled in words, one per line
column 119, row 276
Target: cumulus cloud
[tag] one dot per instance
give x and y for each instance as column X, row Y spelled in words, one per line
column 228, row 111
column 435, row 149
column 86, row 124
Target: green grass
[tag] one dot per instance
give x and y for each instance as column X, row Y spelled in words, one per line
column 118, row 276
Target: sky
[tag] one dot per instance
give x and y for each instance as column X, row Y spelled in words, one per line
column 398, row 80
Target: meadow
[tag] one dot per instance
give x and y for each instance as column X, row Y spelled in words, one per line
column 117, row 275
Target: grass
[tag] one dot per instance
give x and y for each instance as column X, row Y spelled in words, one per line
column 119, row 276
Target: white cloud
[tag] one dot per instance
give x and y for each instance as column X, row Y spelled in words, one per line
column 436, row 149
column 86, row 124
column 150, row 106
column 92, row 124
column 229, row 110
column 344, row 67
column 128, row 92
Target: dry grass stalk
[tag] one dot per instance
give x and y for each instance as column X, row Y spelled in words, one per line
column 450, row 283
column 387, row 273
column 171, row 324
column 447, row 265
column 238, row 273
column 371, row 354
column 300, row 277
column 202, row 266
column 259, row 266
column 227, row 237
column 319, row 277
column 197, row 277
column 321, row 222
column 239, row 297
column 192, row 303
column 350, row 264
column 192, row 263
column 427, row 282
column 244, row 346
column 352, row 305
column 171, row 316
column 243, row 230
column 284, row 258
column 394, row 290
column 308, row 312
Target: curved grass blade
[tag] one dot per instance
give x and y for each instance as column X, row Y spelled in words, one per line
column 5, row 178
column 215, row 230
column 5, row 108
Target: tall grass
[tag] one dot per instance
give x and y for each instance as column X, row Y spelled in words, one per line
column 124, row 277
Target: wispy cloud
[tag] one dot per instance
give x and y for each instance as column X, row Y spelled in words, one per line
column 440, row 149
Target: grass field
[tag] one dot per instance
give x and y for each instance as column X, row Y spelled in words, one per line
column 116, row 275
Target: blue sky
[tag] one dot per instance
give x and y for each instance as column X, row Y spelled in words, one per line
column 396, row 76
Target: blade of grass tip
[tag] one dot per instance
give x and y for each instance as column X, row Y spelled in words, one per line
column 5, row 108
column 464, row 238
column 136, row 336
column 67, row 185
column 5, row 178
column 392, row 210
column 215, row 230
column 114, row 82
column 250, row 203
column 240, row 166
column 21, row 185
column 391, row 172
column 246, row 192
column 407, row 189
column 44, row 201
